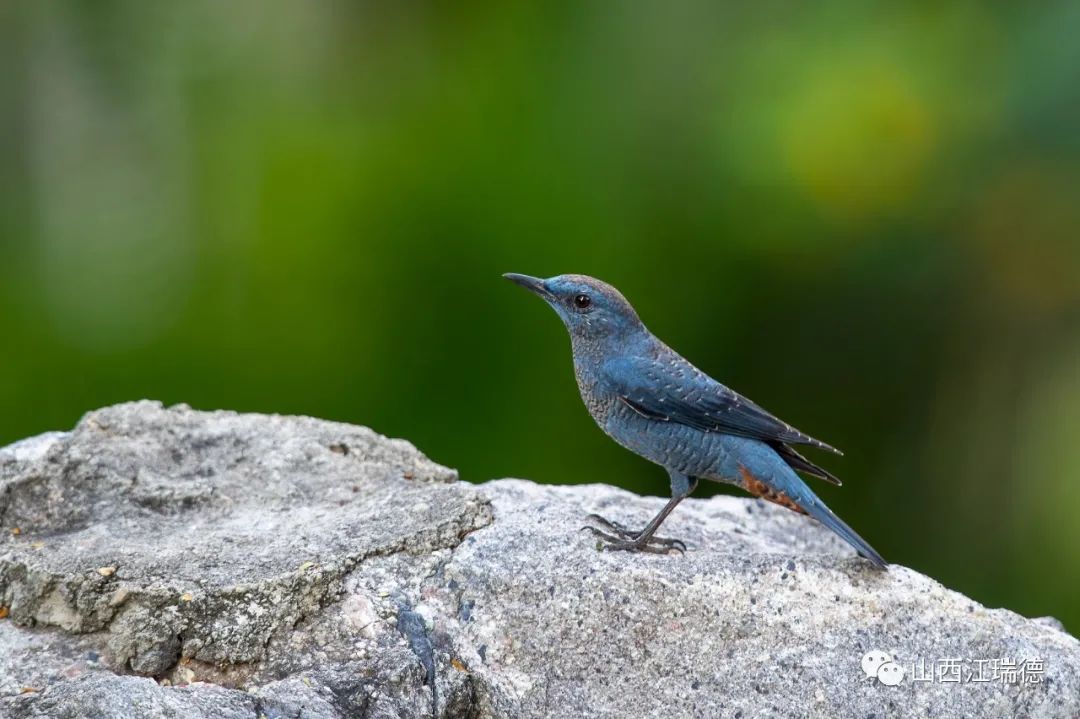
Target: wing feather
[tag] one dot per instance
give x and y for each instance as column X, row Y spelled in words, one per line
column 675, row 391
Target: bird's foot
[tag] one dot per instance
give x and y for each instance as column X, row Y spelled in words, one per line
column 619, row 538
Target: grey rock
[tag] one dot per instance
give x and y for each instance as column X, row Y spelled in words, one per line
column 766, row 615
column 252, row 565
column 201, row 535
column 107, row 696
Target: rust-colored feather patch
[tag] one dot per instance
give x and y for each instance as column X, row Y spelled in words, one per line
column 756, row 487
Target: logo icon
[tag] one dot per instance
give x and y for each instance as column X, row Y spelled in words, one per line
column 879, row 665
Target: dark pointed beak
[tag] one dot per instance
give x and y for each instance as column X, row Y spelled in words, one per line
column 533, row 284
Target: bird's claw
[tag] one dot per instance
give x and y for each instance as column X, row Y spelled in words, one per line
column 626, row 540
column 614, row 527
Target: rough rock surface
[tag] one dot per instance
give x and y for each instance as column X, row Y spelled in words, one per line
column 172, row 563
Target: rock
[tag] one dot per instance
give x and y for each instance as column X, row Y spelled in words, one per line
column 285, row 567
column 256, row 518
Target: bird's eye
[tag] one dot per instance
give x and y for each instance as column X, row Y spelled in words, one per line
column 582, row 301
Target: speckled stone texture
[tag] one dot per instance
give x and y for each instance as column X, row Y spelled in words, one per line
column 171, row 563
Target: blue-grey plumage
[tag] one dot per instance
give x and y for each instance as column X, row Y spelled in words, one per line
column 655, row 403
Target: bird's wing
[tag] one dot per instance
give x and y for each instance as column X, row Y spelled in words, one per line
column 676, row 391
column 800, row 463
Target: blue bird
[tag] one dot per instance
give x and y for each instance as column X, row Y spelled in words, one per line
column 649, row 399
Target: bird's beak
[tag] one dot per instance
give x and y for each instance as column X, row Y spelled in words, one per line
column 533, row 284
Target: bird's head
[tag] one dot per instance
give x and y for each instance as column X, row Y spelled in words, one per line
column 591, row 310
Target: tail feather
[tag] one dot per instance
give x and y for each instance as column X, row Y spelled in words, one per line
column 823, row 514
column 785, row 488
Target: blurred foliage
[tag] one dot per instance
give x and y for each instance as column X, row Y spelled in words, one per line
column 866, row 216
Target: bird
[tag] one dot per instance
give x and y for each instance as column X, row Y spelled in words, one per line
column 655, row 403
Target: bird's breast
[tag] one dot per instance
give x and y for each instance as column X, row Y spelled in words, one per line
column 599, row 401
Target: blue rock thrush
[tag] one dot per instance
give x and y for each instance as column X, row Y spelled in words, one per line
column 649, row 399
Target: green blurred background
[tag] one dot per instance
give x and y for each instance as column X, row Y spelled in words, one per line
column 865, row 216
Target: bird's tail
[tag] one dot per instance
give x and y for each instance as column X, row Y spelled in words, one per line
column 784, row 487
column 823, row 514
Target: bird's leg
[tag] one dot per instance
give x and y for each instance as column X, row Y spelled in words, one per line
column 619, row 537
